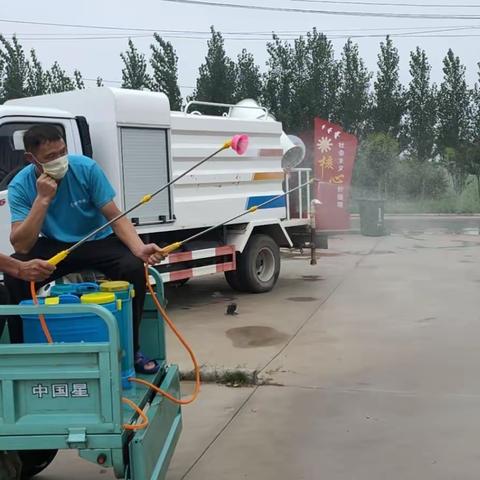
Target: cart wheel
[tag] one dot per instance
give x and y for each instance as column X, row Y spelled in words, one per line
column 10, row 466
column 35, row 461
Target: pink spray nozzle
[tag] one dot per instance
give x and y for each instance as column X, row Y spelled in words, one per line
column 239, row 143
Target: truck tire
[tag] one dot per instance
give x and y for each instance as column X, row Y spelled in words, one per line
column 233, row 279
column 258, row 266
column 35, row 461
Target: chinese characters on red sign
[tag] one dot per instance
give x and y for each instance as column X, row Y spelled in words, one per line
column 335, row 152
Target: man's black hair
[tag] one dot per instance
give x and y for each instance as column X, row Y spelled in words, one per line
column 40, row 134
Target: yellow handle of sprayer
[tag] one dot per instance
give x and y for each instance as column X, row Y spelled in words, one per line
column 56, row 259
column 170, row 248
column 227, row 144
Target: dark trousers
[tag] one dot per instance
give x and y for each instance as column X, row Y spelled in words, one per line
column 109, row 256
column 4, row 300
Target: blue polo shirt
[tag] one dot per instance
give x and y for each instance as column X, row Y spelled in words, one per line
column 75, row 210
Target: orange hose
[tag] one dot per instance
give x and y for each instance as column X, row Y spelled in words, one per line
column 187, row 347
column 43, row 323
column 137, row 426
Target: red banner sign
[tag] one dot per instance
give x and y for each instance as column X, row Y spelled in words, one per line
column 335, row 152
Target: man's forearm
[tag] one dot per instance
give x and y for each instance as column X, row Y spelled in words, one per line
column 24, row 237
column 126, row 232
column 9, row 265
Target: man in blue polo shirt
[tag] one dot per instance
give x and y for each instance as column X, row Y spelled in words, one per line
column 59, row 199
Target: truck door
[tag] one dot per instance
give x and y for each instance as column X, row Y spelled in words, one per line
column 12, row 160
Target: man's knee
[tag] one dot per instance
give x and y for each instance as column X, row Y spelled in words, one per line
column 24, row 257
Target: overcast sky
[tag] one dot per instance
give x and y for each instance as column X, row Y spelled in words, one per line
column 100, row 57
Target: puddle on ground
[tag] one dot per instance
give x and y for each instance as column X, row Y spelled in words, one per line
column 255, row 336
column 302, row 299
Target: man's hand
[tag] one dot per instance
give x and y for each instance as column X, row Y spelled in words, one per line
column 35, row 270
column 46, row 187
column 150, row 253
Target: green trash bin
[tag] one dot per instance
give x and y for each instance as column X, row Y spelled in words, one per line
column 372, row 218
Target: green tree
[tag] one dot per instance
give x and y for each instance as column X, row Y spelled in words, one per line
column 164, row 62
column 322, row 79
column 302, row 81
column 37, row 80
column 300, row 109
column 278, row 94
column 375, row 162
column 353, row 97
column 472, row 158
column 454, row 119
column 248, row 79
column 421, row 108
column 21, row 76
column 134, row 72
column 15, row 69
column 78, row 80
column 58, row 81
column 99, row 82
column 216, row 81
column 475, row 94
column 388, row 101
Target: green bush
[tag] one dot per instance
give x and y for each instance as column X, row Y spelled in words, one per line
column 410, row 179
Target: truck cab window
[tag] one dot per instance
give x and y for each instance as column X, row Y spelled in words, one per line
column 12, row 149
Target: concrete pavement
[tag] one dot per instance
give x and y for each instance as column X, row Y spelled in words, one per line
column 372, row 358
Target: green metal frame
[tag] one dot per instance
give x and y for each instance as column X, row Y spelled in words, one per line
column 69, row 396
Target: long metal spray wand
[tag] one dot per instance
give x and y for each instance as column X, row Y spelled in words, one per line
column 174, row 246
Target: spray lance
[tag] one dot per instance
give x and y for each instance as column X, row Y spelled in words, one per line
column 237, row 143
column 175, row 245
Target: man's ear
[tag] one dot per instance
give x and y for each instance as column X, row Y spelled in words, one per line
column 30, row 158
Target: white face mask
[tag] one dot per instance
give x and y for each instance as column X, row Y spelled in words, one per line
column 56, row 168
